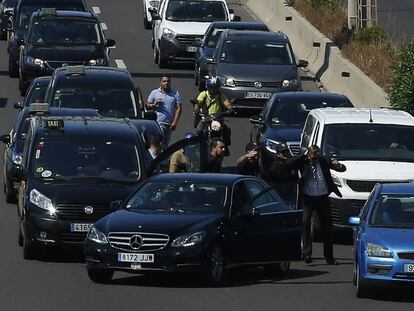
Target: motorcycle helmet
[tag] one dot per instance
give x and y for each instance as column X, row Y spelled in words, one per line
column 213, row 83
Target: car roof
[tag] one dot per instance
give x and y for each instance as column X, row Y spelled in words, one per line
column 211, row 178
column 48, row 2
column 313, row 95
column 41, row 80
column 398, row 188
column 106, row 77
column 363, row 115
column 235, row 34
column 238, row 25
column 59, row 13
column 64, row 112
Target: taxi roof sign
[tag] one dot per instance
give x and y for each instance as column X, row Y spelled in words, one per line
column 75, row 70
column 54, row 123
column 47, row 11
column 39, row 108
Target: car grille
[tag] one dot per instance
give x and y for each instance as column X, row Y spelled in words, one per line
column 58, row 64
column 336, row 218
column 149, row 241
column 187, row 39
column 72, row 237
column 409, row 256
column 357, row 204
column 251, row 84
column 77, row 212
column 368, row 185
column 294, row 147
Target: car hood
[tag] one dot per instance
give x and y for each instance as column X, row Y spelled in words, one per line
column 65, row 53
column 263, row 73
column 283, row 133
column 187, row 28
column 384, row 170
column 397, row 240
column 171, row 223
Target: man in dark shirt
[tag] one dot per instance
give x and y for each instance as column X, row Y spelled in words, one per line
column 215, row 157
column 248, row 164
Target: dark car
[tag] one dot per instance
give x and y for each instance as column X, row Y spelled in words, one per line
column 21, row 19
column 61, row 38
column 252, row 65
column 73, row 168
column 208, row 44
column 109, row 90
column 35, row 94
column 283, row 117
column 200, row 222
column 12, row 157
column 7, row 8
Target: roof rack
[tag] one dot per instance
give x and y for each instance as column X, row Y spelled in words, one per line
column 47, row 12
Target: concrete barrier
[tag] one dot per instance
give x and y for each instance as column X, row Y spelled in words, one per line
column 326, row 62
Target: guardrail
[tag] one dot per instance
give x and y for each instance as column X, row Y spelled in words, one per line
column 335, row 72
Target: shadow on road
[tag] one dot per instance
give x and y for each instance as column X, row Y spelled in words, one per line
column 394, row 294
column 3, row 102
column 73, row 255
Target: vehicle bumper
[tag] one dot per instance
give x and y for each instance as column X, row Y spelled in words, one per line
column 173, row 49
column 342, row 209
column 169, row 259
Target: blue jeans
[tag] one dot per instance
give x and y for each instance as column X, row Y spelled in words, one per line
column 166, row 133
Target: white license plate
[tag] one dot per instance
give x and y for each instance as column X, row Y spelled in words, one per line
column 80, row 227
column 409, row 268
column 259, row 95
column 191, row 48
column 141, row 258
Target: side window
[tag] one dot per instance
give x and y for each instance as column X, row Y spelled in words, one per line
column 239, row 198
column 307, row 131
column 25, row 155
column 367, row 205
column 315, row 138
column 253, row 189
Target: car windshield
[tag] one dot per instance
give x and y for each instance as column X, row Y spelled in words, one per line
column 65, row 31
column 117, row 103
column 179, row 196
column 396, row 211
column 27, row 11
column 376, row 142
column 195, row 11
column 295, row 110
column 9, row 3
column 36, row 94
column 74, row 158
column 256, row 52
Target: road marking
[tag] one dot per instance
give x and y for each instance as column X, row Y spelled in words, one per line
column 120, row 63
column 103, row 26
column 96, row 10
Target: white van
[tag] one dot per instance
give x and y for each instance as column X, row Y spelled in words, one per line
column 178, row 23
column 376, row 145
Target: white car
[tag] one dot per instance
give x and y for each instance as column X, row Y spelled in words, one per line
column 178, row 23
column 148, row 6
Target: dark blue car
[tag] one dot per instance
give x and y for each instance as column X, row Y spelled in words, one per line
column 383, row 239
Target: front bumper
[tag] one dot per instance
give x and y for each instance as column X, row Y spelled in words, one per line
column 173, row 49
column 342, row 209
column 169, row 259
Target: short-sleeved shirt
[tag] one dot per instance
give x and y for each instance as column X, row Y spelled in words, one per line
column 215, row 104
column 180, row 162
column 166, row 111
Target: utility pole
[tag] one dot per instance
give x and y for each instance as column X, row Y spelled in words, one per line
column 352, row 14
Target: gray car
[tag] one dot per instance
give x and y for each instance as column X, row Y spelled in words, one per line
column 252, row 65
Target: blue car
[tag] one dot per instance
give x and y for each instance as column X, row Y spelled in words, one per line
column 383, row 239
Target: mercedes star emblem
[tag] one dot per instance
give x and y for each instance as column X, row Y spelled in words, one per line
column 135, row 241
column 88, row 210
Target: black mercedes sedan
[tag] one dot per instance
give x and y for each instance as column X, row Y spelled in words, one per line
column 195, row 222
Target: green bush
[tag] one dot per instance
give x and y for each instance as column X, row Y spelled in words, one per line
column 370, row 35
column 325, row 4
column 402, row 87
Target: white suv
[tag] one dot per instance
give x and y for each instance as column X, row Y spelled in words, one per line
column 376, row 146
column 179, row 22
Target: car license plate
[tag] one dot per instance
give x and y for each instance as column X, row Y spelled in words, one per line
column 191, row 48
column 80, row 227
column 141, row 258
column 409, row 268
column 258, row 95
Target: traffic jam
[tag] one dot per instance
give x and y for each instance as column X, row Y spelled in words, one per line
column 91, row 165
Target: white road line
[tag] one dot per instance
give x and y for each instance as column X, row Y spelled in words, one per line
column 104, row 27
column 120, row 63
column 96, row 10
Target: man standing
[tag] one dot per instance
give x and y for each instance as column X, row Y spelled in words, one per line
column 248, row 164
column 317, row 184
column 166, row 103
column 215, row 158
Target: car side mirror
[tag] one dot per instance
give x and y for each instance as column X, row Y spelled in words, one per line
column 110, row 43
column 354, row 221
column 152, row 10
column 155, row 15
column 5, row 139
column 116, row 205
column 18, row 105
column 257, row 120
column 149, row 115
column 210, row 61
column 302, row 63
column 198, row 42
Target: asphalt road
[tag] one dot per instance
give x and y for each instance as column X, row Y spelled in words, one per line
column 59, row 281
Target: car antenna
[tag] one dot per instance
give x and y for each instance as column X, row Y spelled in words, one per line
column 370, row 117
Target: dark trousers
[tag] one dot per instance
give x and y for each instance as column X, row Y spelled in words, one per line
column 322, row 207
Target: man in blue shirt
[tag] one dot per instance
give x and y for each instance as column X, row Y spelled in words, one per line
column 166, row 103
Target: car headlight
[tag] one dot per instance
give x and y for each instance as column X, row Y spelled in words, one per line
column 42, row 201
column 154, row 4
column 375, row 250
column 271, row 145
column 189, row 239
column 97, row 62
column 215, row 125
column 17, row 158
column 168, row 33
column 35, row 61
column 288, row 83
column 336, row 180
column 96, row 236
column 229, row 82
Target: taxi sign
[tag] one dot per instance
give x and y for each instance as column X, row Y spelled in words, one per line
column 48, row 11
column 54, row 124
column 39, row 108
column 75, row 70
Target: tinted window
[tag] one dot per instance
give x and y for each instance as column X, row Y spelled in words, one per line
column 256, row 52
column 377, row 142
column 307, row 131
column 36, row 94
column 195, row 11
column 215, row 34
column 394, row 211
column 239, row 198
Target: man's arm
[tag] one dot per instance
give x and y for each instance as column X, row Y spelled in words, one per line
column 336, row 166
column 176, row 116
column 173, row 163
column 149, row 103
column 200, row 101
column 226, row 102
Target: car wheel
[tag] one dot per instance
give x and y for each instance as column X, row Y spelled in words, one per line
column 155, row 55
column 29, row 251
column 362, row 289
column 147, row 24
column 214, row 266
column 316, row 228
column 13, row 69
column 3, row 35
column 162, row 60
column 10, row 194
column 102, row 276
column 19, row 235
column 278, row 268
column 354, row 273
